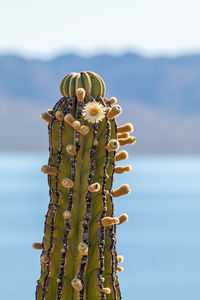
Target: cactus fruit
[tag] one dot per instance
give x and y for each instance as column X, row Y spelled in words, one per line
column 79, row 259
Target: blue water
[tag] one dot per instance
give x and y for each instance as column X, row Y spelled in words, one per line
column 160, row 243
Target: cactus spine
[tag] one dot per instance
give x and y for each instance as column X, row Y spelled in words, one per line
column 79, row 259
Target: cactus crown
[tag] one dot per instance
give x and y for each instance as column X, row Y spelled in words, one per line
column 92, row 83
column 79, row 258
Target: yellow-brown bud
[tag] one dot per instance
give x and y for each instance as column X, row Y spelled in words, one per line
column 122, row 135
column 95, row 187
column 108, row 221
column 113, row 145
column 50, row 111
column 107, row 290
column 95, row 143
column 123, row 218
column 125, row 128
column 63, row 250
column 120, row 258
column 83, row 249
column 120, row 269
column 106, row 192
column 80, row 94
column 77, row 284
column 83, row 129
column 58, row 280
column 121, row 155
column 67, row 183
column 120, row 170
column 37, row 246
column 71, row 149
column 47, row 117
column 59, row 115
column 67, row 214
column 114, row 112
column 112, row 100
column 127, row 141
column 122, row 190
column 68, row 118
column 76, row 124
column 49, row 170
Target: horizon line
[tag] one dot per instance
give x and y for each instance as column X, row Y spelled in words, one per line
column 88, row 54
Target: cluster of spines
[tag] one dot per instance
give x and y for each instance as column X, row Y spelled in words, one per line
column 112, row 144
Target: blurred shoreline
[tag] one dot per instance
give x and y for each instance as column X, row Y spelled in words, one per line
column 160, row 96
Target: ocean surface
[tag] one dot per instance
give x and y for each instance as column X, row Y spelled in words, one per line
column 160, row 242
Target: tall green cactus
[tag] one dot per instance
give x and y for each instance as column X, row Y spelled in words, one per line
column 79, row 259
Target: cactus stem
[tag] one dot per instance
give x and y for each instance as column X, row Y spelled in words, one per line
column 79, row 244
column 80, row 94
column 126, row 141
column 123, row 218
column 113, row 145
column 49, row 170
column 94, row 187
column 121, row 155
column 37, row 246
column 122, row 190
column 67, row 183
column 71, row 149
column 77, row 284
column 114, row 112
column 122, row 135
column 46, row 117
column 59, row 115
column 120, row 170
column 120, row 258
column 125, row 128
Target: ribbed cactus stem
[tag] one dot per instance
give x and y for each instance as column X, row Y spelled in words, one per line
column 79, row 258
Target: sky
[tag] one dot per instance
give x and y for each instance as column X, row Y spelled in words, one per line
column 45, row 28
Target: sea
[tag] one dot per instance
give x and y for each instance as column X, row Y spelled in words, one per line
column 160, row 242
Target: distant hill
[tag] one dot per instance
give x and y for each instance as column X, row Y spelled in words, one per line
column 160, row 95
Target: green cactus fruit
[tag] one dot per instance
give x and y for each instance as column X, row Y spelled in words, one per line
column 79, row 259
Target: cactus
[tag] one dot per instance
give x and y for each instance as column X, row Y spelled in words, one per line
column 79, row 259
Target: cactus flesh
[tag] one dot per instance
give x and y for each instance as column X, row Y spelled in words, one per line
column 79, row 259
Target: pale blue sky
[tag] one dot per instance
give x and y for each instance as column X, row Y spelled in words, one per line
column 46, row 27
